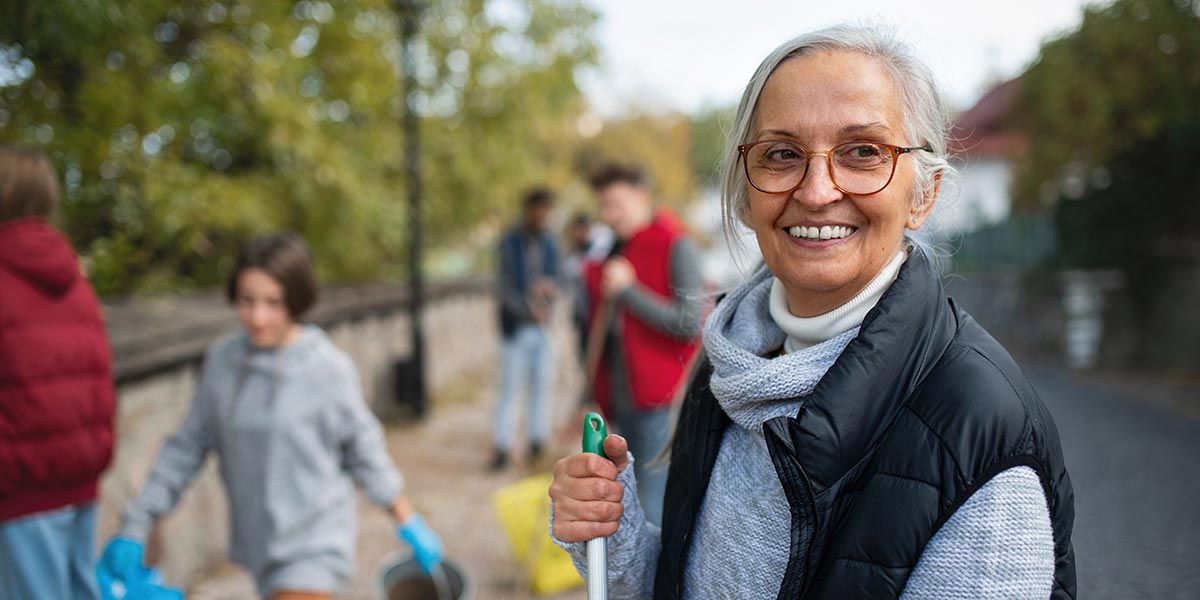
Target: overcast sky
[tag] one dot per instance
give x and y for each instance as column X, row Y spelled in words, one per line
column 682, row 54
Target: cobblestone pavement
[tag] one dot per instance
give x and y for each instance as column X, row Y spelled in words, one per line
column 444, row 461
column 1132, row 447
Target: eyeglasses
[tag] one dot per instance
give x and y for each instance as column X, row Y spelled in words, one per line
column 857, row 168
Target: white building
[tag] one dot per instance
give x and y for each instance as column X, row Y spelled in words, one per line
column 984, row 145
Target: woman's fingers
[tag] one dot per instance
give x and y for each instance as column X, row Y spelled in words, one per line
column 580, row 521
column 586, row 465
column 592, row 511
column 587, row 499
column 586, row 489
column 617, row 450
column 582, row 531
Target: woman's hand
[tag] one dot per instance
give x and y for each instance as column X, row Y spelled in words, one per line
column 401, row 509
column 586, row 495
column 618, row 276
column 411, row 527
column 426, row 545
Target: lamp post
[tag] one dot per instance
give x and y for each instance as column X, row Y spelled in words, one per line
column 410, row 384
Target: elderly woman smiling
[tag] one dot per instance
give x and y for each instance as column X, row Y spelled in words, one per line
column 849, row 432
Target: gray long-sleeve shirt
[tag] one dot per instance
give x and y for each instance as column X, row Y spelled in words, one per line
column 678, row 316
column 291, row 431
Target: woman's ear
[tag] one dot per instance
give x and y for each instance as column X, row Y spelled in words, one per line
column 920, row 212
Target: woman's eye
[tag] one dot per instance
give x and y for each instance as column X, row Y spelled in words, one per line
column 784, row 153
column 862, row 156
column 865, row 151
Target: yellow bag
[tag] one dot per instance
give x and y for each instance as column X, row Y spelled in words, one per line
column 524, row 512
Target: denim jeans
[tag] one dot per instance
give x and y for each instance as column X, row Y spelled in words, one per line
column 647, row 433
column 50, row 555
column 524, row 360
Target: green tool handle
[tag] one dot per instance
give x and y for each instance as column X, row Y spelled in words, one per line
column 594, row 432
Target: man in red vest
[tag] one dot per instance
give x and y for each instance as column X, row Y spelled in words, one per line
column 648, row 299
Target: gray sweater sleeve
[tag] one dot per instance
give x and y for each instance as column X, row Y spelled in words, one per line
column 999, row 544
column 632, row 551
column 176, row 464
column 680, row 315
column 364, row 449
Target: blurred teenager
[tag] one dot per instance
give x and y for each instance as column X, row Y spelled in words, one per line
column 280, row 406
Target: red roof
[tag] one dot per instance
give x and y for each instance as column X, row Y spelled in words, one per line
column 982, row 130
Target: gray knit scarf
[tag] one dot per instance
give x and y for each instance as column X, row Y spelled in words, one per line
column 740, row 338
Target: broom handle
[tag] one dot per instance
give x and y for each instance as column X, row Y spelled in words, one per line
column 594, row 432
column 595, row 341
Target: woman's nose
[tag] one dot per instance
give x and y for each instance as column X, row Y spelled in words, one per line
column 817, row 189
column 259, row 315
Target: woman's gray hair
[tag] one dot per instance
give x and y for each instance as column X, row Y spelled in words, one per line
column 927, row 119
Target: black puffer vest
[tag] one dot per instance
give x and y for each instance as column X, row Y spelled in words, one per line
column 920, row 411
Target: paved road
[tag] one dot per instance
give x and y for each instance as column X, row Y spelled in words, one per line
column 1136, row 469
column 1135, row 466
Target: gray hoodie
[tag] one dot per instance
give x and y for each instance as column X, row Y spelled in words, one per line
column 290, row 429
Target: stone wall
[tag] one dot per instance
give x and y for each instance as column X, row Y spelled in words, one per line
column 158, row 345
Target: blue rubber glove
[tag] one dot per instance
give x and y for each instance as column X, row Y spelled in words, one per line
column 122, row 558
column 426, row 545
column 151, row 588
column 111, row 588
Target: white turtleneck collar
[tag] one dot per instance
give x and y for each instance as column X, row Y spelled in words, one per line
column 805, row 332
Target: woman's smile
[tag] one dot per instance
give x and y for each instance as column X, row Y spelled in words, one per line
column 816, row 235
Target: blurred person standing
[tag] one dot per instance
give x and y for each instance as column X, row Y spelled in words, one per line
column 56, row 393
column 281, row 407
column 582, row 248
column 648, row 293
column 528, row 280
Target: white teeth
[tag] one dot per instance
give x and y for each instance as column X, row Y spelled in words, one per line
column 824, row 232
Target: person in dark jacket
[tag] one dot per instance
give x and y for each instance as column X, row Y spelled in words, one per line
column 56, row 393
column 528, row 281
column 850, row 432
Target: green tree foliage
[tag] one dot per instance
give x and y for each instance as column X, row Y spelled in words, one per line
column 709, row 129
column 181, row 127
column 1144, row 224
column 1113, row 110
column 657, row 143
column 1130, row 71
column 1147, row 216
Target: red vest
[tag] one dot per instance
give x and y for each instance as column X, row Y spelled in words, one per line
column 56, row 382
column 654, row 361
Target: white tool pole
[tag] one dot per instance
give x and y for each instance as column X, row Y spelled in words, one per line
column 597, row 556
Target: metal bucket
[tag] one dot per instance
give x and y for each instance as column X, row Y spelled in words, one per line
column 399, row 577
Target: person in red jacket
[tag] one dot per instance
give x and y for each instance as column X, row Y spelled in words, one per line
column 647, row 294
column 56, row 394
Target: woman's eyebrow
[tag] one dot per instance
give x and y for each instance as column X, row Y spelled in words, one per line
column 781, row 132
column 878, row 125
